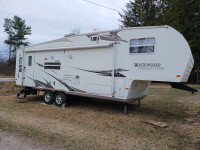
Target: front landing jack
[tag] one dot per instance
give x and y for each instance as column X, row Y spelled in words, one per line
column 139, row 104
column 125, row 108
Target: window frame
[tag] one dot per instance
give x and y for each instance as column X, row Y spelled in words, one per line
column 139, row 45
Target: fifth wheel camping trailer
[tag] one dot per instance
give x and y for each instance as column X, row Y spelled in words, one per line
column 116, row 65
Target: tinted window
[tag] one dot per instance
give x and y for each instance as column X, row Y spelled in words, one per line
column 30, row 61
column 52, row 65
column 95, row 38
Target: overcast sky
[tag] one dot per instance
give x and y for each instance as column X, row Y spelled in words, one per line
column 51, row 19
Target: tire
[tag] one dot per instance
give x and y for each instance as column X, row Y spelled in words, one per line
column 59, row 99
column 48, row 97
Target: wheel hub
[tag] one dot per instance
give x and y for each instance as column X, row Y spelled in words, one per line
column 58, row 99
column 47, row 97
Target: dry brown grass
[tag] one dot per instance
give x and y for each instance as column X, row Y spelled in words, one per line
column 6, row 76
column 91, row 124
column 8, row 88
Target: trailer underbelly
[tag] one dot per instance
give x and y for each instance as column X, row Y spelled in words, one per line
column 89, row 95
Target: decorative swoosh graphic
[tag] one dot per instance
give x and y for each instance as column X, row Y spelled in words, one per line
column 59, row 80
column 40, row 65
column 107, row 72
column 41, row 84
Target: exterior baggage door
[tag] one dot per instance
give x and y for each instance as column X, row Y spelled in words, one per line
column 119, row 87
column 29, row 69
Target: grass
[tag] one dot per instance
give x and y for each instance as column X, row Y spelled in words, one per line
column 7, row 76
column 8, row 88
column 91, row 124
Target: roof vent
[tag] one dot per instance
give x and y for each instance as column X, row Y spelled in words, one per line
column 95, row 30
column 70, row 34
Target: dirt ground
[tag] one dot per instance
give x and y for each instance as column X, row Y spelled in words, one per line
column 14, row 141
column 92, row 124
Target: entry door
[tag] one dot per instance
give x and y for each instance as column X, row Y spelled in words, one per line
column 19, row 69
column 29, row 69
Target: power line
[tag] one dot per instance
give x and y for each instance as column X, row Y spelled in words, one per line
column 102, row 6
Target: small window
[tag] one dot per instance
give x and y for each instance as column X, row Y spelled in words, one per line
column 52, row 65
column 94, row 38
column 29, row 60
column 143, row 45
column 20, row 64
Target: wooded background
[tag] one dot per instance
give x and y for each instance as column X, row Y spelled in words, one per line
column 183, row 15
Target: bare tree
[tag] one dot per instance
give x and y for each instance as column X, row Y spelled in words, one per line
column 76, row 30
column 1, row 57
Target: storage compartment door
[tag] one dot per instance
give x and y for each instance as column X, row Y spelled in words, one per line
column 119, row 87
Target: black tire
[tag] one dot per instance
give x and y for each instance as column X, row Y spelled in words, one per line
column 48, row 97
column 59, row 99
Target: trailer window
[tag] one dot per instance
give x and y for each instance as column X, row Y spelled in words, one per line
column 142, row 45
column 29, row 60
column 20, row 64
column 52, row 65
column 94, row 38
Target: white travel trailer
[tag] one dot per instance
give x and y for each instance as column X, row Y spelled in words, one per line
column 116, row 65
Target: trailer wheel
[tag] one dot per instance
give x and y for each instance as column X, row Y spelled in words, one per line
column 59, row 99
column 48, row 97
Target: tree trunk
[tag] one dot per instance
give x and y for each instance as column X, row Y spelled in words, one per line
column 9, row 58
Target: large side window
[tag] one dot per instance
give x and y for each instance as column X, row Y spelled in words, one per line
column 142, row 45
column 29, row 60
column 20, row 64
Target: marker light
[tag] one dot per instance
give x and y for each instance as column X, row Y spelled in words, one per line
column 127, row 88
column 178, row 75
column 45, row 58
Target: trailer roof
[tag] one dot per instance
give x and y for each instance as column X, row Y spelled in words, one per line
column 70, row 42
column 121, row 29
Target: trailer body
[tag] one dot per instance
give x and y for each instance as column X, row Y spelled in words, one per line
column 116, row 65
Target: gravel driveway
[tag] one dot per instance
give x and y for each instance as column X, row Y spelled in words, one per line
column 6, row 79
column 13, row 141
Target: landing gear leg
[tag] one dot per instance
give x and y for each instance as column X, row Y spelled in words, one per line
column 139, row 104
column 125, row 108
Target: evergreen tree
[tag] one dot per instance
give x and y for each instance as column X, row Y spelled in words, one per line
column 142, row 13
column 16, row 30
column 183, row 15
